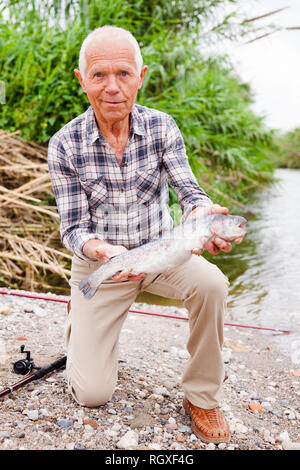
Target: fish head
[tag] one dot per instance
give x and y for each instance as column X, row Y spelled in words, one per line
column 228, row 227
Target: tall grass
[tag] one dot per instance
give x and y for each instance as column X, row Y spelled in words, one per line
column 226, row 142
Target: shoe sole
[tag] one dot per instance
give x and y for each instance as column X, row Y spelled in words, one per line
column 203, row 437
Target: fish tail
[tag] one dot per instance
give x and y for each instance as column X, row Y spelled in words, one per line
column 87, row 289
column 90, row 284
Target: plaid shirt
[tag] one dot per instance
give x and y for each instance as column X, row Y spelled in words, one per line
column 123, row 205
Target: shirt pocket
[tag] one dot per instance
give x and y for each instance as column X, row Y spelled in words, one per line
column 147, row 181
column 95, row 190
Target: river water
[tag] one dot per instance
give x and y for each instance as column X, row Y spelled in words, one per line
column 264, row 271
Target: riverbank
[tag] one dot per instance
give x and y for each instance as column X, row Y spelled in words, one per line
column 261, row 391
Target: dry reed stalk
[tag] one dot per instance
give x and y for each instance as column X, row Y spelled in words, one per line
column 30, row 246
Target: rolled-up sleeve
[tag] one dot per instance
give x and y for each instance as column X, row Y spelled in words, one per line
column 180, row 175
column 71, row 200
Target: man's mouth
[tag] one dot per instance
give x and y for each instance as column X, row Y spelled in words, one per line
column 113, row 102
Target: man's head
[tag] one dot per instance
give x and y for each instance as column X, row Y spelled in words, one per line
column 110, row 72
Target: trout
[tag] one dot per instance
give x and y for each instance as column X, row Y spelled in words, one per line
column 170, row 250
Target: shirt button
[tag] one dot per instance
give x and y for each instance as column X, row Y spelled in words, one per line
column 122, row 190
column 125, row 164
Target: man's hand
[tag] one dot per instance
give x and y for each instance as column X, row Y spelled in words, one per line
column 104, row 251
column 215, row 244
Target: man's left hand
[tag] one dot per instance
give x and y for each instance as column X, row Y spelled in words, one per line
column 215, row 244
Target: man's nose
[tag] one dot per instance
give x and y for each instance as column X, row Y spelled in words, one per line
column 112, row 86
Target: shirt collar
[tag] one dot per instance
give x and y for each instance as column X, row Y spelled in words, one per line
column 93, row 133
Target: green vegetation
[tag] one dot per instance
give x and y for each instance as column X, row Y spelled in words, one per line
column 227, row 143
column 287, row 151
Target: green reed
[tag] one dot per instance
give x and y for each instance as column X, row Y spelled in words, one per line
column 226, row 142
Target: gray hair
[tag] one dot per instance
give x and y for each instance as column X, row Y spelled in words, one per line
column 118, row 33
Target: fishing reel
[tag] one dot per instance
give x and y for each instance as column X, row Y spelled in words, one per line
column 24, row 366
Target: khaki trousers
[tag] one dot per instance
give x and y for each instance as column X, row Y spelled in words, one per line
column 94, row 325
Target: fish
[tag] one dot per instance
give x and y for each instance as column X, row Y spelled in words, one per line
column 172, row 249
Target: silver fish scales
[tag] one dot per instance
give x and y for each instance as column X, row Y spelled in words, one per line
column 168, row 251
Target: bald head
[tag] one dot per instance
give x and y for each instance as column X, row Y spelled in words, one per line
column 111, row 32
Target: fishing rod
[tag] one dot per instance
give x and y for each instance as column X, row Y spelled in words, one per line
column 52, row 299
column 25, row 366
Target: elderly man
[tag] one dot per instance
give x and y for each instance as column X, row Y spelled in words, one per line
column 109, row 169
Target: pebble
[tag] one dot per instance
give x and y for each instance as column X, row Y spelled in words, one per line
column 40, row 312
column 128, row 441
column 183, row 354
column 289, row 445
column 4, row 309
column 210, row 446
column 79, row 447
column 33, row 414
column 222, row 445
column 111, row 411
column 237, row 427
column 64, row 423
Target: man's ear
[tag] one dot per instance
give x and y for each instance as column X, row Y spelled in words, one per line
column 81, row 81
column 142, row 75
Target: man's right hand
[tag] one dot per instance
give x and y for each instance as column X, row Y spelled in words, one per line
column 103, row 251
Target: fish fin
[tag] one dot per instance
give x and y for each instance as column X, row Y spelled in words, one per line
column 87, row 288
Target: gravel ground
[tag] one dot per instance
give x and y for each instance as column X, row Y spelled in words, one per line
column 145, row 411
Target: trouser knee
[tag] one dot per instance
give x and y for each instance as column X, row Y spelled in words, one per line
column 90, row 398
column 90, row 392
column 215, row 285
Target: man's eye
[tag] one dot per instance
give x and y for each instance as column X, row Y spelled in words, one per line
column 98, row 74
column 124, row 74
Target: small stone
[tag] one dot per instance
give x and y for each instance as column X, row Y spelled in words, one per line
column 290, row 414
column 210, row 446
column 238, row 427
column 154, row 446
column 172, row 426
column 79, row 447
column 90, row 422
column 128, row 409
column 4, row 309
column 70, row 446
column 33, row 414
column 88, row 428
column 129, row 440
column 283, row 436
column 64, row 423
column 222, row 446
column 111, row 411
column 289, row 445
column 28, row 309
column 40, row 312
column 256, row 407
column 183, row 354
column 232, row 379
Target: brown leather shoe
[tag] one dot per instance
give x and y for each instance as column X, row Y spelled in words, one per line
column 208, row 425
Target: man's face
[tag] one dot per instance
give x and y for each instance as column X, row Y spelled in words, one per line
column 111, row 79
